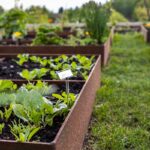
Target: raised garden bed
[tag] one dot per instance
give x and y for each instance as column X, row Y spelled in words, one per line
column 146, row 33
column 31, row 67
column 102, row 50
column 71, row 132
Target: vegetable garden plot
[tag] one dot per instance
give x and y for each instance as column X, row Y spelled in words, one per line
column 34, row 67
column 70, row 132
column 103, row 49
column 34, row 111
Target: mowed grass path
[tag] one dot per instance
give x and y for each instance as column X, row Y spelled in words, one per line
column 121, row 118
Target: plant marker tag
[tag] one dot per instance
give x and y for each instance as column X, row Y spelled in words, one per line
column 65, row 74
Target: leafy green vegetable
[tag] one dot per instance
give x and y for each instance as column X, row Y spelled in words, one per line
column 43, row 62
column 28, row 75
column 41, row 72
column 33, row 110
column 53, row 74
column 41, row 87
column 1, row 115
column 6, row 99
column 12, row 21
column 2, row 125
column 6, row 85
column 80, row 66
column 34, row 59
column 22, row 59
column 66, row 98
column 36, row 73
column 22, row 132
column 47, row 35
column 20, row 112
column 8, row 113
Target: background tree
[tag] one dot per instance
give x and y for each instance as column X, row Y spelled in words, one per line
column 146, row 5
column 12, row 21
column 37, row 14
column 126, row 7
column 1, row 10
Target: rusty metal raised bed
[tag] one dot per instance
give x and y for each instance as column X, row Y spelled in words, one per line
column 146, row 33
column 71, row 134
column 103, row 50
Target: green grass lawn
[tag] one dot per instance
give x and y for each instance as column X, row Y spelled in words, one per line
column 121, row 118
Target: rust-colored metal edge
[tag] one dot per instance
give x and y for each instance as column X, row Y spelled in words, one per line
column 71, row 133
column 146, row 33
column 102, row 49
column 51, row 49
column 6, row 51
column 78, row 119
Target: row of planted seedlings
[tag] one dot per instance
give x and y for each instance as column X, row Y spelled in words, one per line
column 37, row 110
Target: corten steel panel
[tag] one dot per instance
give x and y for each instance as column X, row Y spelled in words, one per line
column 107, row 47
column 148, row 35
column 71, row 134
column 144, row 32
column 50, row 49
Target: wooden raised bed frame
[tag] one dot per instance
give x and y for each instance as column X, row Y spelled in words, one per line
column 72, row 132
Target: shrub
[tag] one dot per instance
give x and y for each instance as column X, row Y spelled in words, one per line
column 140, row 14
column 12, row 21
column 116, row 17
column 47, row 35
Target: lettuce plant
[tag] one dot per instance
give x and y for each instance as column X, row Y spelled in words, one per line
column 6, row 85
column 66, row 98
column 22, row 59
column 35, row 73
column 41, row 87
column 28, row 75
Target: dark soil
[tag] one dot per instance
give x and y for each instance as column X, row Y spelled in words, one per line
column 46, row 134
column 9, row 69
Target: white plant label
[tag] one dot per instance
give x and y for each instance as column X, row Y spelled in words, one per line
column 65, row 74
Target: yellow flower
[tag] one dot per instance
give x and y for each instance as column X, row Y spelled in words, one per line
column 50, row 20
column 17, row 34
column 87, row 33
column 147, row 25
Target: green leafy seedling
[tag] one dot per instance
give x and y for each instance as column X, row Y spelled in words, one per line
column 7, row 85
column 8, row 113
column 22, row 59
column 41, row 72
column 2, row 125
column 67, row 99
column 22, row 132
column 53, row 75
column 28, row 75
